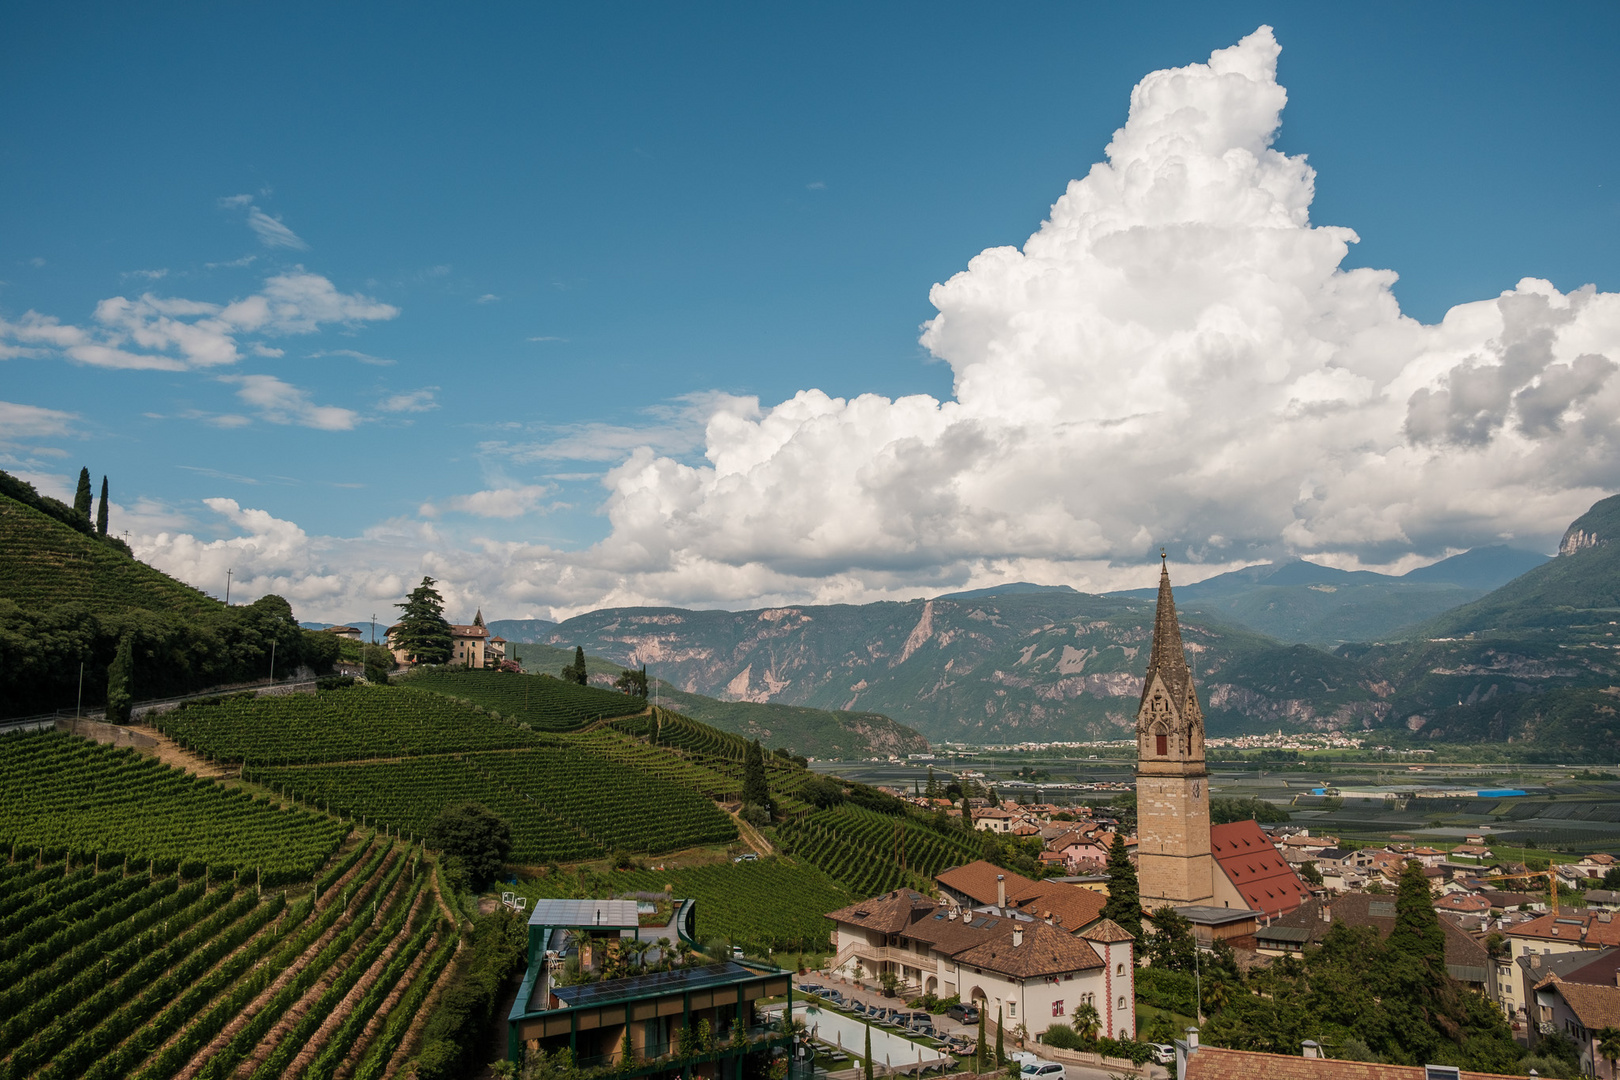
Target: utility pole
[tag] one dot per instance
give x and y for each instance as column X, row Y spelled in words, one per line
column 374, row 628
column 272, row 661
column 78, row 710
column 228, row 574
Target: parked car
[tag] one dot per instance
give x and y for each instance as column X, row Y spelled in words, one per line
column 832, row 996
column 809, row 988
column 1163, row 1053
column 1023, row 1057
column 963, row 1014
column 1044, row 1070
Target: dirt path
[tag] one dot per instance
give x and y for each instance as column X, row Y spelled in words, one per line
column 752, row 836
column 172, row 753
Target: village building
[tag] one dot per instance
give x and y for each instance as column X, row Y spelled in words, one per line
column 1575, row 993
column 1195, row 1062
column 1466, row 960
column 632, row 1024
column 1033, row 972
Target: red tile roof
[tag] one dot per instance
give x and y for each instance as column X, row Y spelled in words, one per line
column 977, row 881
column 1257, row 870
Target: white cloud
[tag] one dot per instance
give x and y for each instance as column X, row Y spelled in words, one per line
column 506, row 502
column 411, row 401
column 283, row 403
column 487, row 298
column 18, row 421
column 160, row 333
column 1175, row 357
column 272, row 233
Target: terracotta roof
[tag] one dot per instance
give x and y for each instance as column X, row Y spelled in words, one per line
column 1260, row 874
column 1045, row 950
column 1462, row 902
column 469, row 630
column 1589, row 929
column 890, row 913
column 1216, row 1063
column 1595, row 1006
column 1067, row 906
column 1107, row 930
column 977, row 881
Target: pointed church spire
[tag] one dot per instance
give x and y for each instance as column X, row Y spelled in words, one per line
column 1169, row 659
column 478, row 619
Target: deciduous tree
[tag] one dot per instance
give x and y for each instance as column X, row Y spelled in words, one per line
column 476, row 838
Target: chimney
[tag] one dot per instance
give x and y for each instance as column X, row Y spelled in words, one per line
column 1327, row 913
column 1192, row 1038
column 951, row 914
column 1312, row 1048
column 1018, row 936
column 1001, row 890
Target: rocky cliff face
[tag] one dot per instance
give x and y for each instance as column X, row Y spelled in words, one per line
column 1037, row 666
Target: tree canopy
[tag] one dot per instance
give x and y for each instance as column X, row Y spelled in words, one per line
column 423, row 633
column 476, row 838
column 756, row 791
column 575, row 672
column 1124, row 892
column 82, row 497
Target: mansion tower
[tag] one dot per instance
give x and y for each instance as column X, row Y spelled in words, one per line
column 1174, row 864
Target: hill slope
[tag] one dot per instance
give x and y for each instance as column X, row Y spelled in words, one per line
column 44, row 563
column 817, row 733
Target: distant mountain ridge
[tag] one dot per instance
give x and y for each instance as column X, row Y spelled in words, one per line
column 1301, row 601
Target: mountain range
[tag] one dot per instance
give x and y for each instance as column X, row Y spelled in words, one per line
column 1496, row 644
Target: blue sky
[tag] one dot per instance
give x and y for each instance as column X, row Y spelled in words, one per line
column 517, row 243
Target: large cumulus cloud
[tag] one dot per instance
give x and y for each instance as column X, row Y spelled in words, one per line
column 1176, row 357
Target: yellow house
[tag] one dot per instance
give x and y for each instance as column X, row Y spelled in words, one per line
column 467, row 646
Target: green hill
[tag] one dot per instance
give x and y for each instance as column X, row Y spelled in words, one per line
column 44, row 563
column 68, row 598
column 823, row 734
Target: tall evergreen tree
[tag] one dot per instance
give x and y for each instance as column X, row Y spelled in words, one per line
column 101, row 511
column 755, row 788
column 868, row 1051
column 1124, row 892
column 119, row 674
column 575, row 672
column 932, row 790
column 81, row 499
column 423, row 632
column 1001, row 1054
column 980, row 1052
column 1417, row 932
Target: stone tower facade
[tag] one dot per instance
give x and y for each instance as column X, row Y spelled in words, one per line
column 1174, row 864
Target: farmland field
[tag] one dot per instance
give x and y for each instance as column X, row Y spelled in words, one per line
column 542, row 702
column 872, row 853
column 137, row 937
column 775, row 903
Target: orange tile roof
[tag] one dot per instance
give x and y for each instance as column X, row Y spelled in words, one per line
column 1257, row 870
column 1217, row 1063
column 977, row 880
column 1067, row 906
column 1588, row 929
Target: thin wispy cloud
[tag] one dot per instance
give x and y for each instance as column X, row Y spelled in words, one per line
column 355, row 354
column 487, row 298
column 817, row 185
column 282, row 403
column 271, row 231
column 234, row 264
column 548, row 337
column 414, row 401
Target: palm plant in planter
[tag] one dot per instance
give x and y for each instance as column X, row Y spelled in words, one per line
column 889, row 981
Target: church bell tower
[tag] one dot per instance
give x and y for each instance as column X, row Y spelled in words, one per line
column 1174, row 865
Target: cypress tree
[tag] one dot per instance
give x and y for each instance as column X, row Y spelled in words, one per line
column 1001, row 1055
column 81, row 499
column 869, row 1050
column 1124, row 892
column 755, row 788
column 1417, row 933
column 980, row 1052
column 580, row 675
column 101, row 511
column 118, row 679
